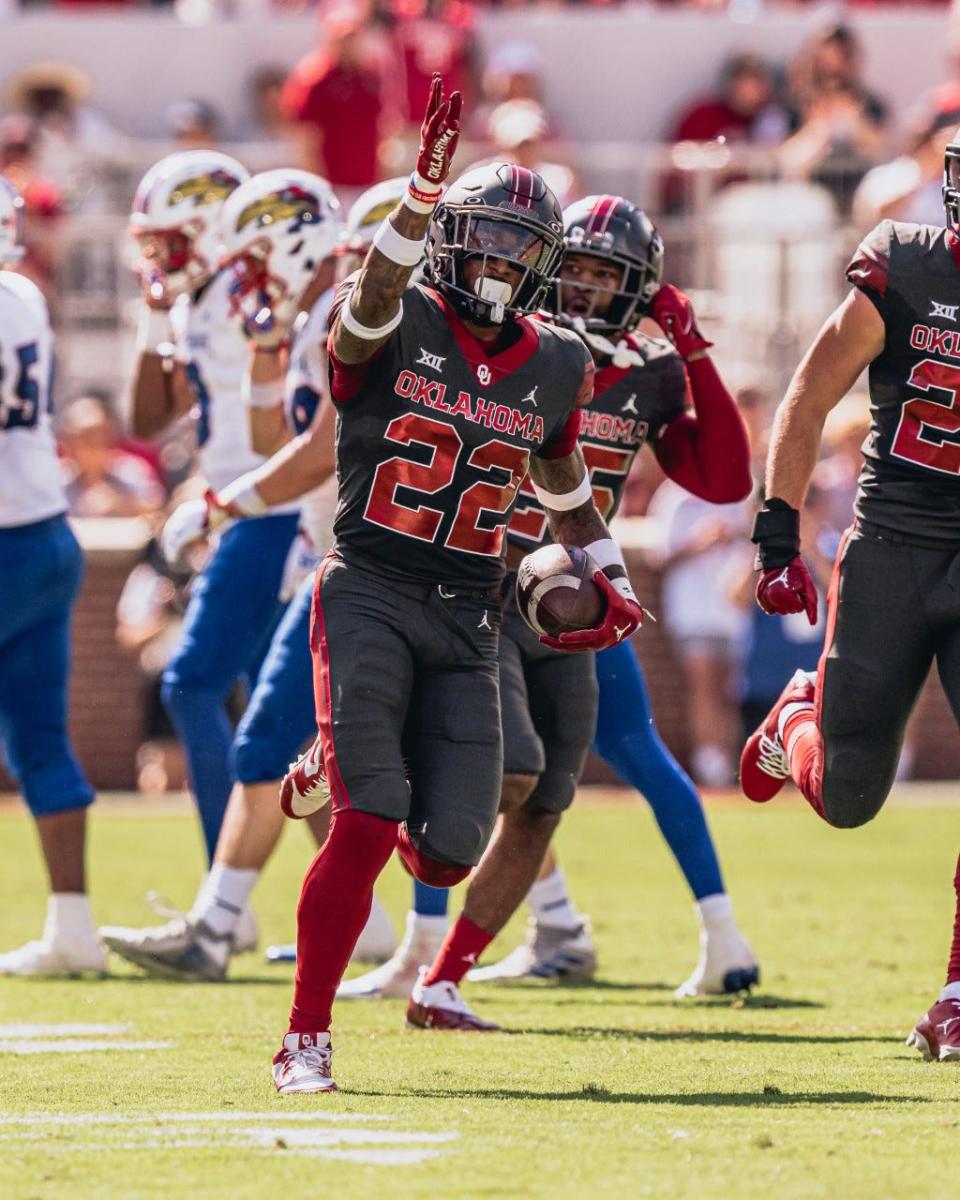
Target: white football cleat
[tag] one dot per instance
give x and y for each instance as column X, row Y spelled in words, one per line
column 303, row 1064
column 56, row 956
column 440, row 1006
column 182, row 949
column 726, row 964
column 547, row 953
column 394, row 980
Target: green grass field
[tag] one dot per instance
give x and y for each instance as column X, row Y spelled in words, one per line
column 612, row 1089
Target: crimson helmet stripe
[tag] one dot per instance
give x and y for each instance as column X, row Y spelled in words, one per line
column 603, row 209
column 521, row 183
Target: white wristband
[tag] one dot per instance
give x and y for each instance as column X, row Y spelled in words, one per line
column 421, row 195
column 364, row 332
column 153, row 328
column 242, row 494
column 606, row 553
column 580, row 495
column 262, row 395
column 404, row 251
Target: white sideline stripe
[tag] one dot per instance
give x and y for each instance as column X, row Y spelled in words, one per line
column 69, row 1030
column 62, row 1119
column 300, row 1133
column 76, row 1046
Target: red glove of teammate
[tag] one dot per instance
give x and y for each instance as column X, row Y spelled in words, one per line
column 673, row 312
column 621, row 617
column 439, row 135
column 789, row 589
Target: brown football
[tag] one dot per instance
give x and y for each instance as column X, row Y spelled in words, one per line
column 555, row 590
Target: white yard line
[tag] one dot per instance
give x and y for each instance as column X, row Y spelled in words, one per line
column 77, row 1046
column 9, row 1032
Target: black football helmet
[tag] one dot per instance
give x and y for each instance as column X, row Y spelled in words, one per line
column 951, row 182
column 499, row 211
column 617, row 231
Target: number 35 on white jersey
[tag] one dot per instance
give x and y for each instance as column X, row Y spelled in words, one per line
column 30, row 487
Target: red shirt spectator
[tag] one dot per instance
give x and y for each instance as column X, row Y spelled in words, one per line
column 434, row 35
column 336, row 99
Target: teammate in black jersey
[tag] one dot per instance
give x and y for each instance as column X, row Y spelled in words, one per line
column 894, row 604
column 447, row 394
column 609, row 279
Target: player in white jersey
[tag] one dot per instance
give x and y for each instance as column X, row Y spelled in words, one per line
column 193, row 355
column 41, row 567
column 285, row 397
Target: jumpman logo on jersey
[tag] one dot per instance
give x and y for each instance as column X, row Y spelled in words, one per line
column 485, row 621
column 630, row 405
column 947, row 311
column 531, row 397
column 433, row 361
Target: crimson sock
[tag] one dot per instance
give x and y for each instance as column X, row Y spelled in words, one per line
column 804, row 746
column 953, row 968
column 461, row 948
column 334, row 905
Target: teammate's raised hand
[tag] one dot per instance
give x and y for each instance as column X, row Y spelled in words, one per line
column 788, row 589
column 439, row 135
column 673, row 312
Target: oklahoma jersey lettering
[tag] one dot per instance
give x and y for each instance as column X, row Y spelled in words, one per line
column 304, row 389
column 432, row 449
column 30, row 486
column 630, row 405
column 211, row 343
column 910, row 481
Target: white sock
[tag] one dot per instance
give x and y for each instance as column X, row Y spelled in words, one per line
column 715, row 913
column 551, row 905
column 950, row 992
column 68, row 916
column 419, row 925
column 788, row 711
column 223, row 897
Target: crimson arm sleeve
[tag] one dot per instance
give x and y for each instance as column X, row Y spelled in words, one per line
column 707, row 451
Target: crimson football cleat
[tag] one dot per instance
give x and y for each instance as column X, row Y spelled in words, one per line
column 937, row 1034
column 440, row 1006
column 304, row 789
column 302, row 1064
column 763, row 764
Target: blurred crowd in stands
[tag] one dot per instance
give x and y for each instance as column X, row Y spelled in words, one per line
column 339, row 110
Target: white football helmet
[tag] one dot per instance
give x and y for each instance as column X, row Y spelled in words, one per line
column 11, row 224
column 176, row 219
column 277, row 229
column 368, row 213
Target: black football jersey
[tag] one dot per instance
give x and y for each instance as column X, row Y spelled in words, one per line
column 432, row 448
column 910, row 481
column 630, row 405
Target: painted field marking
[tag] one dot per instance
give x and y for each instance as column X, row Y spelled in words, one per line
column 315, row 1135
column 70, row 1038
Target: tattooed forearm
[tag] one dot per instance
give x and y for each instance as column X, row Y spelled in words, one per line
column 378, row 289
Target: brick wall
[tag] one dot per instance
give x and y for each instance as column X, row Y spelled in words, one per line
column 107, row 694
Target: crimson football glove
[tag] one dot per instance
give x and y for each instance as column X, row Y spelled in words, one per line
column 785, row 585
column 622, row 616
column 439, row 135
column 789, row 589
column 673, row 312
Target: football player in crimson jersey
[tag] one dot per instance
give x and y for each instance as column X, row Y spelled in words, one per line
column 436, row 428
column 41, row 566
column 609, row 279
column 893, row 605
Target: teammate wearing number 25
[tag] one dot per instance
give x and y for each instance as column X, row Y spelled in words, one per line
column 447, row 394
column 894, row 605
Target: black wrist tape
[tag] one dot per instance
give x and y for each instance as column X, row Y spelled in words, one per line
column 776, row 534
